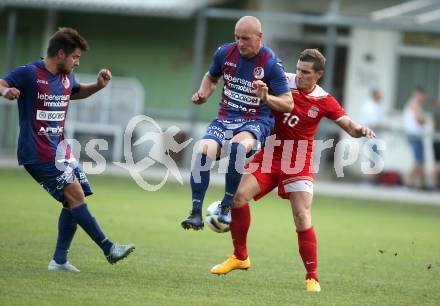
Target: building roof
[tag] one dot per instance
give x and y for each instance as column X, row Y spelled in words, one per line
column 170, row 8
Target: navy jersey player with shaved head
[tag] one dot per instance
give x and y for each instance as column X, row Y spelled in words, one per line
column 244, row 119
column 44, row 89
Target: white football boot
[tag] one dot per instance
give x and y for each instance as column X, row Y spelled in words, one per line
column 53, row 266
column 118, row 252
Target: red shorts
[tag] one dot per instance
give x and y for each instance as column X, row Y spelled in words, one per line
column 269, row 175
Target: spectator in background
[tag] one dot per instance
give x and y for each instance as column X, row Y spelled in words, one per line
column 436, row 145
column 414, row 121
column 372, row 115
column 373, row 111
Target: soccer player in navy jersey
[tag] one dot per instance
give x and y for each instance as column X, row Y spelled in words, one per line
column 244, row 119
column 43, row 89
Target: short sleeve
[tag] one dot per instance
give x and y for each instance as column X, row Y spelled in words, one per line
column 18, row 77
column 278, row 81
column 216, row 67
column 335, row 111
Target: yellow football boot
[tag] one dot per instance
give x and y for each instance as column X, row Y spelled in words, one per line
column 312, row 285
column 232, row 263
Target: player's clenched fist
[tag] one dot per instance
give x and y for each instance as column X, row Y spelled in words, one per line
column 11, row 93
column 261, row 89
column 199, row 98
column 104, row 77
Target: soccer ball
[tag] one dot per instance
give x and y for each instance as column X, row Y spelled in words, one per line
column 211, row 218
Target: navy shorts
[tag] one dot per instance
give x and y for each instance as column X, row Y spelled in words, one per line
column 55, row 180
column 221, row 131
column 418, row 150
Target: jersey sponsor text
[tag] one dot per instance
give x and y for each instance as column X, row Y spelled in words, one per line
column 46, row 97
column 43, row 115
column 239, row 97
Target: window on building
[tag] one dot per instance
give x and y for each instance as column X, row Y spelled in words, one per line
column 421, row 39
column 417, row 71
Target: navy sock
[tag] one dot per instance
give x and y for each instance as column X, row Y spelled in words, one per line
column 66, row 231
column 200, row 180
column 84, row 218
column 237, row 160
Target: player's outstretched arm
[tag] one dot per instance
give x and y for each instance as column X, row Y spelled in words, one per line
column 354, row 129
column 206, row 89
column 86, row 90
column 10, row 93
column 282, row 103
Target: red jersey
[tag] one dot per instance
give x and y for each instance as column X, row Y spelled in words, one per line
column 296, row 131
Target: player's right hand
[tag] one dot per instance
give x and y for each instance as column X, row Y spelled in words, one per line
column 199, row 98
column 261, row 89
column 11, row 93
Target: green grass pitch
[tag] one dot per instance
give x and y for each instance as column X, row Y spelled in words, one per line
column 369, row 253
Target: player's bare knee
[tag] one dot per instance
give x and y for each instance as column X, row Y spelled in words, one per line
column 302, row 219
column 209, row 148
column 75, row 198
column 74, row 195
column 74, row 203
column 240, row 199
column 302, row 214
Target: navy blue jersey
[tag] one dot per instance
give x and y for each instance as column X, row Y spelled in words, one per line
column 238, row 101
column 42, row 105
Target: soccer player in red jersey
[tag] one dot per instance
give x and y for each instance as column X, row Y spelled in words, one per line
column 286, row 163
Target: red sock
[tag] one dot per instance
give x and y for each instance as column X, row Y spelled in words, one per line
column 241, row 220
column 308, row 250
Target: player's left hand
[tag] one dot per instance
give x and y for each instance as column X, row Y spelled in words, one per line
column 261, row 89
column 367, row 132
column 104, row 77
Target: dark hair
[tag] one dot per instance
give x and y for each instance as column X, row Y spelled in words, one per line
column 419, row 88
column 66, row 39
column 313, row 56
